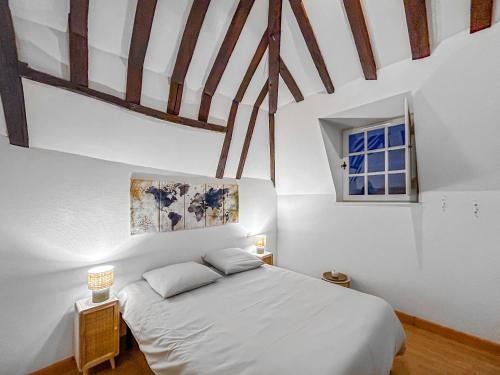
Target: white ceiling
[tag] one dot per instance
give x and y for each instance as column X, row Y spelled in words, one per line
column 41, row 28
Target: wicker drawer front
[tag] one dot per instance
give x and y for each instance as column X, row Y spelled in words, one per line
column 98, row 329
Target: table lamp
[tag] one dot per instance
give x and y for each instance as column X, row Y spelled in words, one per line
column 99, row 280
column 260, row 244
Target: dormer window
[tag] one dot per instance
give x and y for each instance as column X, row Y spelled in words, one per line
column 378, row 162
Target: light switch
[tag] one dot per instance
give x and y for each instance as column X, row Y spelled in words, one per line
column 443, row 203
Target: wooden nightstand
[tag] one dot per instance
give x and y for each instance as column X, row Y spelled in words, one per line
column 267, row 257
column 97, row 334
column 344, row 281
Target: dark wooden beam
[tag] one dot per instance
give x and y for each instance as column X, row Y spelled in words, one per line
column 11, row 86
column 274, row 35
column 272, row 159
column 78, row 43
column 418, row 30
column 481, row 13
column 47, row 79
column 361, row 37
column 251, row 126
column 252, row 67
column 144, row 14
column 312, row 44
column 290, row 82
column 185, row 54
column 227, row 140
column 257, row 57
column 226, row 49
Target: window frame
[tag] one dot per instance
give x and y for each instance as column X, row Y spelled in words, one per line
column 386, row 197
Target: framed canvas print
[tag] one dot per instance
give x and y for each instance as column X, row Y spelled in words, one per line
column 231, row 204
column 214, row 203
column 171, row 205
column 195, row 206
column 144, row 214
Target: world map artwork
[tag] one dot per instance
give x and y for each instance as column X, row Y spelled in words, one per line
column 164, row 206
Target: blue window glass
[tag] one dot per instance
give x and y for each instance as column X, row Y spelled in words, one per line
column 376, row 162
column 397, row 183
column 356, row 164
column 376, row 139
column 396, row 135
column 356, row 142
column 357, row 185
column 376, row 184
column 397, row 159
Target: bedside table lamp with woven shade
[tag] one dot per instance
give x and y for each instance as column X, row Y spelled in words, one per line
column 99, row 280
column 260, row 244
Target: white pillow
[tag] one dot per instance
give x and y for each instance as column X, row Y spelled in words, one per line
column 232, row 260
column 178, row 278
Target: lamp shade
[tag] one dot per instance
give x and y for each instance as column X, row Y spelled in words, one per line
column 260, row 242
column 100, row 277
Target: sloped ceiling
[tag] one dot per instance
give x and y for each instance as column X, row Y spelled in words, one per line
column 41, row 31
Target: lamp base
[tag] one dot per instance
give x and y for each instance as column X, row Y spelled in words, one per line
column 260, row 250
column 100, row 295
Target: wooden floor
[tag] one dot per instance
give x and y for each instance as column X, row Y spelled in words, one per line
column 426, row 354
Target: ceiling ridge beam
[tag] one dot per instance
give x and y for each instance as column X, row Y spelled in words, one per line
column 312, row 44
column 252, row 67
column 418, row 29
column 78, row 42
column 481, row 14
column 141, row 32
column 274, row 35
column 11, row 86
column 50, row 80
column 290, row 82
column 185, row 53
column 356, row 18
column 251, row 126
column 225, row 51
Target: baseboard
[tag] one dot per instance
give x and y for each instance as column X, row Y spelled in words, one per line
column 450, row 333
column 57, row 368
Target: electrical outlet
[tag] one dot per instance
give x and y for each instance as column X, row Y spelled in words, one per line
column 475, row 208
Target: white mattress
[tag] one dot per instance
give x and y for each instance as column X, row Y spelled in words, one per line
column 264, row 321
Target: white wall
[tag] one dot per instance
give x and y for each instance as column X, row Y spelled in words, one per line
column 435, row 264
column 62, row 213
column 64, row 121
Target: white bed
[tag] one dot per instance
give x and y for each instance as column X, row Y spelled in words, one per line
column 264, row 321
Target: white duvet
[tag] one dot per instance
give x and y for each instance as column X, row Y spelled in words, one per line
column 264, row 321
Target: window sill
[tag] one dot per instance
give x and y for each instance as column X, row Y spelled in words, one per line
column 378, row 203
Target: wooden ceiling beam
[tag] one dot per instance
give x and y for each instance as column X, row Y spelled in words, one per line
column 50, row 80
column 418, row 30
column 274, row 36
column 252, row 67
column 221, row 167
column 254, row 63
column 185, row 54
column 11, row 86
column 144, row 14
column 251, row 126
column 226, row 49
column 272, row 158
column 361, row 37
column 312, row 44
column 78, row 42
column 481, row 14
column 290, row 82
